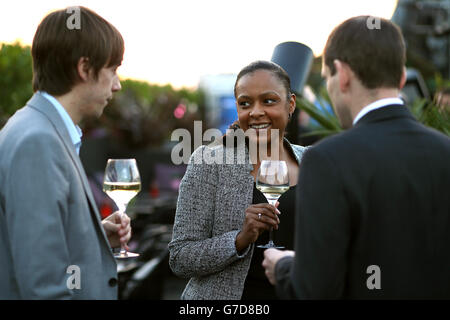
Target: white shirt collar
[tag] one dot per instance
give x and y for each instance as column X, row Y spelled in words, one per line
column 75, row 132
column 376, row 105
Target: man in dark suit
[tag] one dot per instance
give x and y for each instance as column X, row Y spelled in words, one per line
column 373, row 204
column 52, row 242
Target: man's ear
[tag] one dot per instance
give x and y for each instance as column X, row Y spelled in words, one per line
column 343, row 72
column 403, row 79
column 83, row 68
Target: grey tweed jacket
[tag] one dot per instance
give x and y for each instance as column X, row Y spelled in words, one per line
column 211, row 206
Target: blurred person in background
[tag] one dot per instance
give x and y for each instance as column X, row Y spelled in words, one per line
column 373, row 211
column 53, row 244
column 220, row 214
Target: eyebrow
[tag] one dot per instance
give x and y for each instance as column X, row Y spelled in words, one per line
column 262, row 94
column 269, row 92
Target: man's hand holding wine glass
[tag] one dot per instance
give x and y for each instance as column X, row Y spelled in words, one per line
column 118, row 229
column 122, row 183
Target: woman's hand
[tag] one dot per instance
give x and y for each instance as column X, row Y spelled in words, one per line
column 258, row 217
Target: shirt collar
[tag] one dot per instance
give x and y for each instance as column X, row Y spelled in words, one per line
column 75, row 132
column 376, row 105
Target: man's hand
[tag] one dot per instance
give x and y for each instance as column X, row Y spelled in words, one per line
column 271, row 257
column 118, row 229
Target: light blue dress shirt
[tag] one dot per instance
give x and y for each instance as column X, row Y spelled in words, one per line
column 75, row 132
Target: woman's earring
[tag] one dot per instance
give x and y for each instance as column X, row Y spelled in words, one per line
column 290, row 116
column 235, row 125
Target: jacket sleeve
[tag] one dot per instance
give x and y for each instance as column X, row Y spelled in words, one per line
column 322, row 233
column 193, row 250
column 37, row 193
column 284, row 288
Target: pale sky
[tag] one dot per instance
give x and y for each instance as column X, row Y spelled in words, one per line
column 178, row 41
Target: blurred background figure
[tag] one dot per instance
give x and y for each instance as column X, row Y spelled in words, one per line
column 426, row 28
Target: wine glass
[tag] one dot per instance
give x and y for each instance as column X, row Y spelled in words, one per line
column 272, row 180
column 122, row 183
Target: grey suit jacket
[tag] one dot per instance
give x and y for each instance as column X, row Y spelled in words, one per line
column 210, row 213
column 52, row 243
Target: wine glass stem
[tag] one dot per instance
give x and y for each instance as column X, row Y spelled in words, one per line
column 272, row 202
column 122, row 207
column 123, row 251
column 271, row 237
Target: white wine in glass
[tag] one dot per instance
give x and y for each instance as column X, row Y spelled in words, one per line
column 122, row 183
column 272, row 180
column 121, row 192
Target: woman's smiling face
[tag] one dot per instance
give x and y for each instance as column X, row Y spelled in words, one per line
column 263, row 104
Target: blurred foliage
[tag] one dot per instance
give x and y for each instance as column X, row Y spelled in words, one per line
column 315, row 79
column 15, row 79
column 327, row 122
column 441, row 83
column 425, row 111
column 140, row 115
column 431, row 115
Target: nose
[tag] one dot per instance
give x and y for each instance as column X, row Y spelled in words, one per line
column 257, row 110
column 116, row 85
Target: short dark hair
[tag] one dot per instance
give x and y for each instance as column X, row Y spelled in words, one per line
column 269, row 66
column 57, row 49
column 374, row 51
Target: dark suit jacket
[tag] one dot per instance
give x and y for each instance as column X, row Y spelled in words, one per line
column 375, row 195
